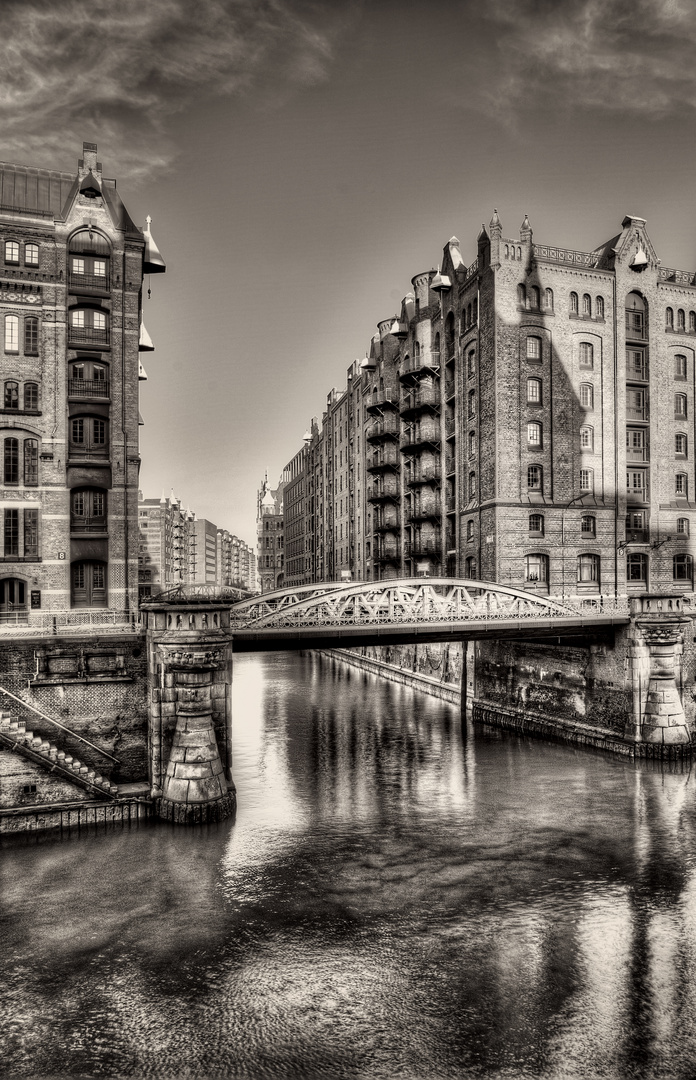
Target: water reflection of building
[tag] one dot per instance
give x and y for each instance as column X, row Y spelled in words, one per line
column 522, row 418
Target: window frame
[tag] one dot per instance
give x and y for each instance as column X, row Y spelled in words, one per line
column 587, row 396
column 535, row 478
column 683, row 559
column 535, row 435
column 11, row 259
column 31, row 261
column 586, row 355
column 534, row 349
column 530, row 527
column 590, row 531
column 540, row 559
column 11, row 334
column 534, row 383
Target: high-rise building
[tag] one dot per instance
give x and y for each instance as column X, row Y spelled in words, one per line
column 71, row 270
column 527, row 418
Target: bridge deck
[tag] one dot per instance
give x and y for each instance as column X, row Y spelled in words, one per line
column 294, row 638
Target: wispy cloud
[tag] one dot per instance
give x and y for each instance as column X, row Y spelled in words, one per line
column 117, row 72
column 632, row 56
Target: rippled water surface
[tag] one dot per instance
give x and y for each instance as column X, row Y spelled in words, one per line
column 396, row 899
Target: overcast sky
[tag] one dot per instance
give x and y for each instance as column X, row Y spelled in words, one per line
column 303, row 161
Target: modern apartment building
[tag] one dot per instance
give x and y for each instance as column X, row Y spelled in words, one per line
column 71, row 269
column 167, row 546
column 526, row 417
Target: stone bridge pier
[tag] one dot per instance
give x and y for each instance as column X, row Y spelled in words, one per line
column 190, row 714
column 656, row 647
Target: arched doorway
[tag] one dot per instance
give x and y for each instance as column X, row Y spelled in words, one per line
column 88, row 584
column 13, row 600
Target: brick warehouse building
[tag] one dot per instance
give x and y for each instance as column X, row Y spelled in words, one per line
column 526, row 418
column 71, row 270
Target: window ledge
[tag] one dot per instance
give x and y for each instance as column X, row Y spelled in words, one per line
column 20, row 558
column 21, row 412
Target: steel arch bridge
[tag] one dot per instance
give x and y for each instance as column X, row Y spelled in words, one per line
column 411, row 610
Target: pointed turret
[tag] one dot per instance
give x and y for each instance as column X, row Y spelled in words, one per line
column 495, row 222
column 153, row 263
column 525, row 230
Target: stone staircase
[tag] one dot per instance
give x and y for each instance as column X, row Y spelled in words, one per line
column 14, row 734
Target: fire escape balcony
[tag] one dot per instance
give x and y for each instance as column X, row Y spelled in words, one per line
column 383, row 495
column 428, row 549
column 386, row 428
column 427, row 361
column 383, row 399
column 387, row 524
column 386, row 458
column 426, row 511
column 386, row 552
column 419, row 438
column 429, row 473
column 418, row 400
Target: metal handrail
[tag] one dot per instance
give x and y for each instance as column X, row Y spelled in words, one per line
column 57, row 723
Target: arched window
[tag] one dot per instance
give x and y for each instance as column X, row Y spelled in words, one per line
column 13, row 600
column 681, row 485
column 472, row 443
column 88, row 510
column 536, row 524
column 587, row 437
column 680, row 444
column 587, row 395
column 472, row 485
column 669, row 318
column 637, row 568
column 88, row 326
column 587, row 479
column 449, row 337
column 521, row 295
column 635, row 316
column 534, row 391
column 548, row 299
column 31, row 254
column 31, row 336
column 12, row 253
column 471, row 364
column 680, row 406
column 536, row 569
column 573, row 303
column 682, row 568
column 679, row 366
column 468, row 315
column 534, row 477
column 470, row 530
column 535, row 297
column 586, row 304
column 586, row 353
column 692, row 322
column 507, row 251
column 31, row 397
column 11, row 333
column 11, row 395
column 683, row 526
column 89, row 257
column 534, row 348
column 681, row 320
column 470, row 568
column 475, row 312
column 588, row 570
column 588, row 525
column 534, row 436
column 599, row 307
column 519, row 253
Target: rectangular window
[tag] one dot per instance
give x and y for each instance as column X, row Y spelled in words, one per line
column 31, row 532
column 31, row 336
column 534, row 477
column 586, row 438
column 31, row 462
column 680, row 405
column 587, row 396
column 11, row 333
column 534, row 436
column 11, row 532
column 680, row 485
column 679, row 367
column 586, row 480
column 78, row 266
column 77, row 318
column 471, row 406
column 99, row 268
column 635, row 404
column 534, row 391
column 11, row 461
column 78, row 431
column 31, row 254
column 12, row 252
column 635, row 363
column 635, row 481
column 534, row 348
column 587, row 525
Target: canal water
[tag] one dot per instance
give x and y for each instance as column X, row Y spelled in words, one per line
column 397, row 898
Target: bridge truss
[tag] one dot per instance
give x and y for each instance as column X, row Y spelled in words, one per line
column 412, row 602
